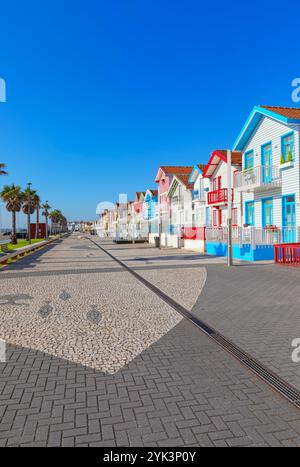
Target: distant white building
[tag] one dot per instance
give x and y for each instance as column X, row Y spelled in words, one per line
column 181, row 208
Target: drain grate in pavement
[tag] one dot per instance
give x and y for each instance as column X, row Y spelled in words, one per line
column 275, row 382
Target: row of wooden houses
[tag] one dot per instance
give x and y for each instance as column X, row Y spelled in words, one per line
column 189, row 207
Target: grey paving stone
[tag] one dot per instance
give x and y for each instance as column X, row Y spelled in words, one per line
column 264, row 309
column 181, row 391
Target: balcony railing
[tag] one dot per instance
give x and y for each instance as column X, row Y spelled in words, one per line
column 258, row 178
column 219, row 196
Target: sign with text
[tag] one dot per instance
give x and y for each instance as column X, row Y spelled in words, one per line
column 2, row 90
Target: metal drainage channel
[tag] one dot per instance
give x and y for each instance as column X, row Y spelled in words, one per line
column 276, row 383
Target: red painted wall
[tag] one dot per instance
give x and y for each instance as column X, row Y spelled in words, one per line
column 41, row 230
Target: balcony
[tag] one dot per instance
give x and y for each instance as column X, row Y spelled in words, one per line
column 219, row 196
column 260, row 178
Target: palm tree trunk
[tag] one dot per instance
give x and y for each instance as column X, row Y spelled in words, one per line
column 46, row 227
column 37, row 220
column 14, row 229
column 28, row 226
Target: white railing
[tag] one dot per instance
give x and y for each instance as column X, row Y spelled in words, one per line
column 258, row 177
column 130, row 232
column 253, row 236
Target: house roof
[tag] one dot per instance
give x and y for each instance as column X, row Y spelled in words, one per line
column 183, row 179
column 288, row 112
column 218, row 156
column 197, row 169
column 151, row 193
column 285, row 115
column 172, row 170
column 154, row 192
column 139, row 196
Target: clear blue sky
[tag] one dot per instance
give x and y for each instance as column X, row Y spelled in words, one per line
column 100, row 93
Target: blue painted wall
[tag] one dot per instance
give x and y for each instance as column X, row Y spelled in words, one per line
column 241, row 252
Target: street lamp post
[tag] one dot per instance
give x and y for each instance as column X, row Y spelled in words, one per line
column 28, row 213
column 229, row 217
column 46, row 211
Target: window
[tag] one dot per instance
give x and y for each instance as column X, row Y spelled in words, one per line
column 201, row 189
column 217, row 183
column 249, row 210
column 249, row 160
column 266, row 162
column 287, row 148
column 217, row 218
column 214, row 218
column 207, row 217
column 234, row 178
column 267, row 212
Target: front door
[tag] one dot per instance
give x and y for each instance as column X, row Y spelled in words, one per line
column 266, row 162
column 289, row 219
column 267, row 212
column 207, row 217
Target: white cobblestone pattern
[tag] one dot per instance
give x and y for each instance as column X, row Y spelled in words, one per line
column 57, row 319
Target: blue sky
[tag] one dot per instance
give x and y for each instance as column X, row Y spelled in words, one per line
column 100, row 93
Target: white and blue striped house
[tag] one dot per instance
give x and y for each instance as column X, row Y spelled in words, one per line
column 150, row 213
column 270, row 176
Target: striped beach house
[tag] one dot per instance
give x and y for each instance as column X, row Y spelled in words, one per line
column 270, row 177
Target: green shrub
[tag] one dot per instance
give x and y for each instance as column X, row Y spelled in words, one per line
column 282, row 159
column 290, row 156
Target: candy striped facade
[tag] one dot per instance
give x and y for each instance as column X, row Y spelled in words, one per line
column 189, row 209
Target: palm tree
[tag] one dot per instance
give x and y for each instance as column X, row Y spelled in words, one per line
column 37, row 205
column 13, row 196
column 45, row 213
column 58, row 218
column 55, row 217
column 28, row 206
column 2, row 167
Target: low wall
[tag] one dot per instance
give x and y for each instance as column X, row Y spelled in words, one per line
column 18, row 253
column 163, row 239
column 172, row 241
column 195, row 245
column 242, row 252
column 152, row 238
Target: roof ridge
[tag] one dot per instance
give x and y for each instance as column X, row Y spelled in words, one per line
column 183, row 166
column 279, row 107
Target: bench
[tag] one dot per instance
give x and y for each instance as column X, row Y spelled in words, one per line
column 4, row 245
